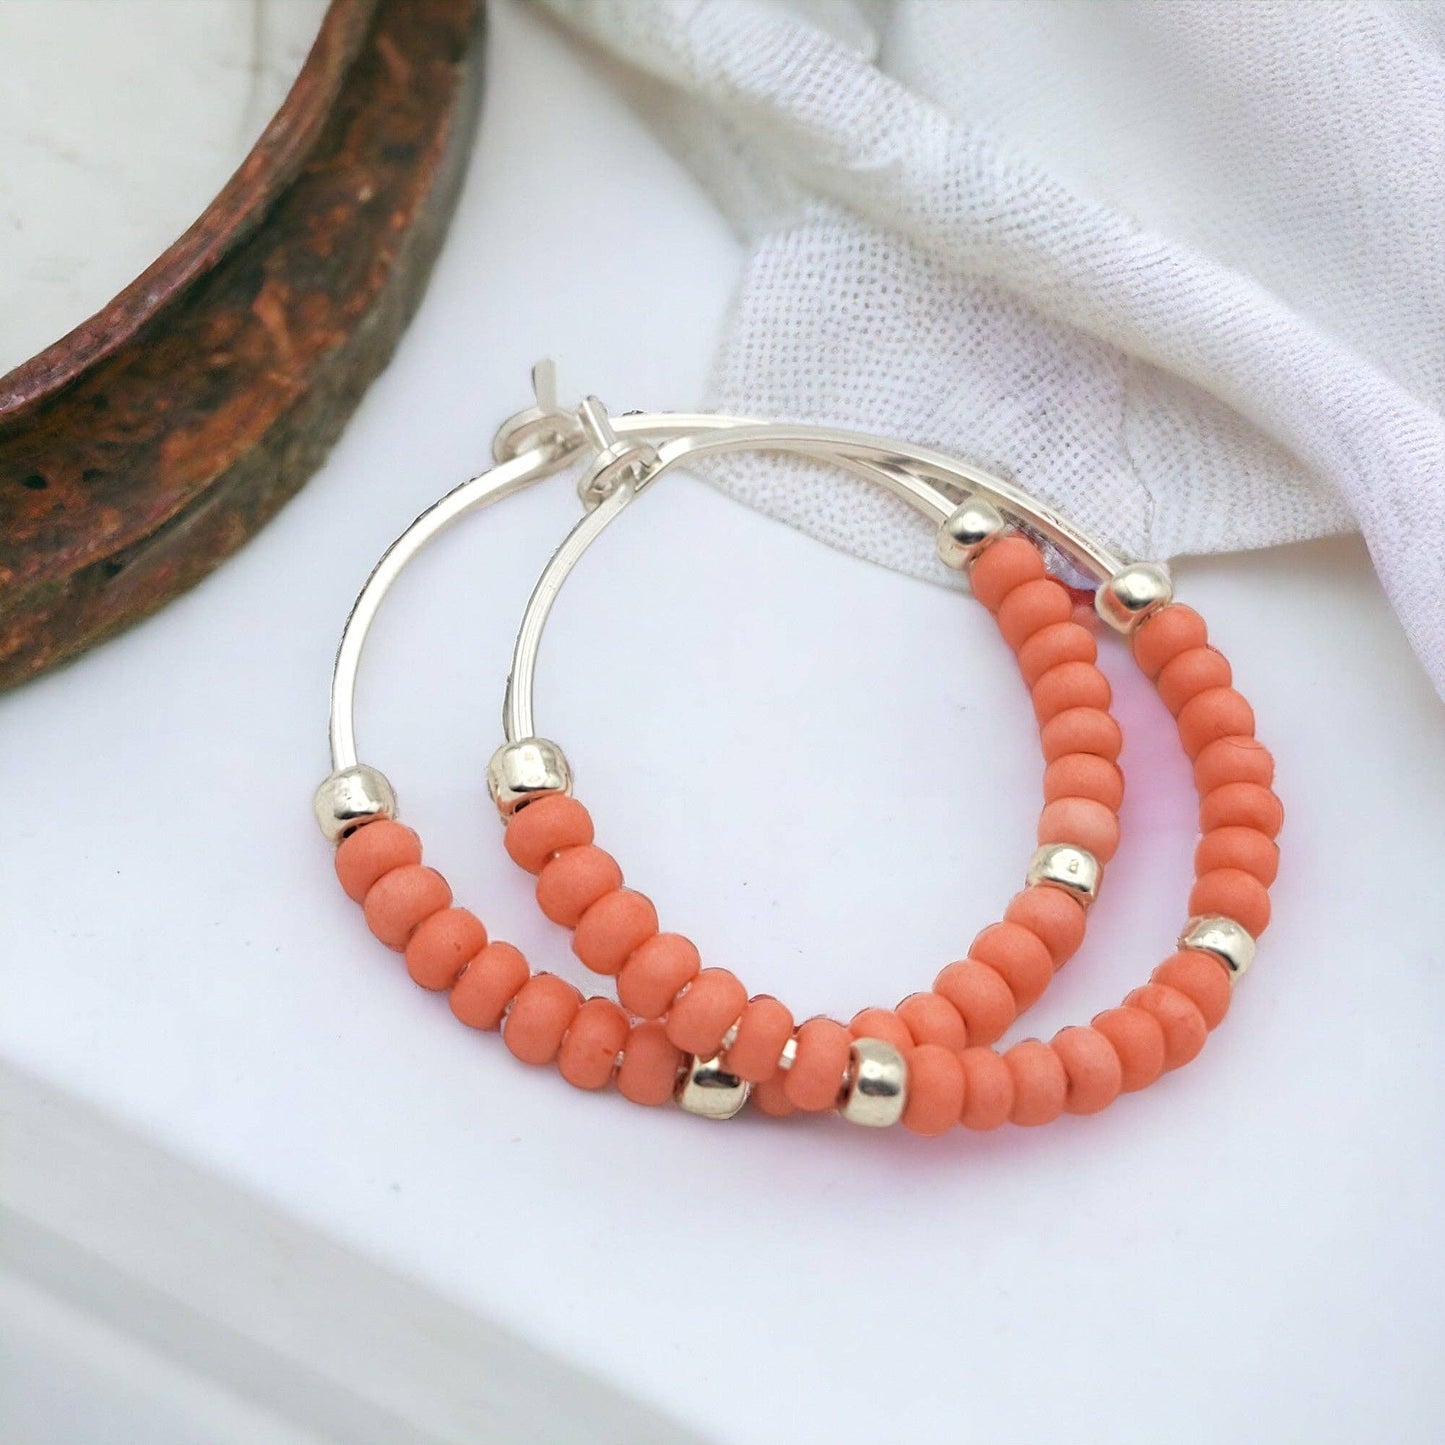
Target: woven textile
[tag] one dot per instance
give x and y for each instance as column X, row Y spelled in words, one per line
column 1177, row 268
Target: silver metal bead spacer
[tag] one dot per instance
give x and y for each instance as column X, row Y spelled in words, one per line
column 875, row 1090
column 1132, row 594
column 526, row 769
column 708, row 1090
column 967, row 530
column 1224, row 938
column 350, row 797
column 1063, row 865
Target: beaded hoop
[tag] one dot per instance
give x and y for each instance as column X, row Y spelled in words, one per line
column 680, row 1030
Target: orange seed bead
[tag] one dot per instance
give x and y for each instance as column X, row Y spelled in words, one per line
column 1055, row 916
column 1202, row 978
column 935, row 1090
column 816, row 1077
column 1030, row 607
column 541, row 1014
column 882, row 1023
column 1217, row 712
column 988, row 1089
column 589, row 1051
column 771, row 1097
column 1008, row 563
column 1070, row 685
column 1179, row 1017
column 1082, row 822
column 1236, row 847
column 1018, row 956
column 1040, row 1083
column 1243, row 805
column 1138, row 1039
column 1234, row 893
column 491, row 980
column 442, row 946
column 931, row 1019
column 1092, row 1067
column 650, row 1065
column 657, row 970
column 1190, row 673
column 1049, row 646
column 574, row 880
column 705, row 1010
column 1162, row 637
column 1081, row 730
column 613, row 928
column 1084, row 775
column 545, row 826
column 373, row 849
column 1232, row 760
column 401, row 899
column 981, row 996
column 764, row 1028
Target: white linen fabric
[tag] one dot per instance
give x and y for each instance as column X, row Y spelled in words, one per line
column 1179, row 269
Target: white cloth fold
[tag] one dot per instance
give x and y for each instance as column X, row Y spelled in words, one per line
column 1178, row 269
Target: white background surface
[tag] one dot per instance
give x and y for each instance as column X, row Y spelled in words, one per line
column 825, row 774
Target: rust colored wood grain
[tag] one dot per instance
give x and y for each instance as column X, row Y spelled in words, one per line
column 150, row 443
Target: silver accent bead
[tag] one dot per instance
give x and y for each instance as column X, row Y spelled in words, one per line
column 526, row 769
column 1062, row 865
column 875, row 1091
column 707, row 1089
column 967, row 530
column 1134, row 593
column 1224, row 938
column 788, row 1055
column 350, row 797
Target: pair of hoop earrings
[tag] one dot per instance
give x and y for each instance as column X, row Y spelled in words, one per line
column 678, row 1030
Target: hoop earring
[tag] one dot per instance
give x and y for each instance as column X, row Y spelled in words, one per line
column 683, row 1031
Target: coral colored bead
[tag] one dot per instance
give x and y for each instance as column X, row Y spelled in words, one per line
column 816, row 1078
column 1138, row 1039
column 882, row 1023
column 1030, row 607
column 374, row 849
column 545, row 826
column 541, row 1015
column 1040, row 1083
column 401, row 899
column 1050, row 646
column 771, row 1097
column 979, row 993
column 1201, row 977
column 763, row 1030
column 491, row 981
column 1234, row 893
column 1019, row 957
column 1053, row 915
column 650, row 1065
column 1242, row 805
column 1217, row 712
column 1162, row 637
column 1092, row 1067
column 988, row 1089
column 1082, row 822
column 1179, row 1016
column 613, row 928
column 1237, row 847
column 710, row 1005
column 931, row 1019
column 1084, row 775
column 1081, row 730
column 589, row 1051
column 443, row 945
column 574, row 880
column 1008, row 563
column 935, row 1090
column 1070, row 685
column 1190, row 673
column 652, row 977
column 1233, row 760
